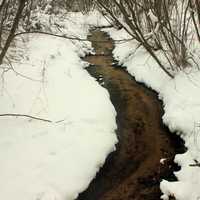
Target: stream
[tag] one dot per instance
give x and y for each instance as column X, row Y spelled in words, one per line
column 134, row 170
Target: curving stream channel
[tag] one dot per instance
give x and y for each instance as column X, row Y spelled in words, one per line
column 134, row 170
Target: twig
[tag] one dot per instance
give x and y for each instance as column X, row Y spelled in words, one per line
column 26, row 116
column 197, row 164
column 68, row 37
column 18, row 73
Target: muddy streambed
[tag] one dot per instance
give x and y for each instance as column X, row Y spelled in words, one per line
column 133, row 171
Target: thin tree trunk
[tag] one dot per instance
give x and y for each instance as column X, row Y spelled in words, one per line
column 13, row 29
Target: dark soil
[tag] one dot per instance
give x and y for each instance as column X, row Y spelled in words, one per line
column 133, row 171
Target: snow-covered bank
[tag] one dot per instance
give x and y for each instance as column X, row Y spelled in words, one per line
column 48, row 161
column 181, row 101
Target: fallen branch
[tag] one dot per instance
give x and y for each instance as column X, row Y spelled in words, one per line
column 194, row 165
column 26, row 116
column 106, row 26
column 197, row 164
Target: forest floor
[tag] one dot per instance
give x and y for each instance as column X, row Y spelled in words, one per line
column 134, row 170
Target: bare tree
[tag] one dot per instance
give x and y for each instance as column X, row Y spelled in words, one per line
column 158, row 25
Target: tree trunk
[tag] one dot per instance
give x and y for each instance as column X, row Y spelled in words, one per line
column 13, row 29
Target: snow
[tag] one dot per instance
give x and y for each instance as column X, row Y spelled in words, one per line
column 42, row 160
column 163, row 160
column 181, row 102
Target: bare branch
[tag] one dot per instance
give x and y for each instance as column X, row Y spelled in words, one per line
column 26, row 116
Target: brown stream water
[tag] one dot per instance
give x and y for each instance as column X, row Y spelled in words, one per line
column 133, row 171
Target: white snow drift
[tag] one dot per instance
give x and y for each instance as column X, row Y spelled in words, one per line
column 52, row 161
column 181, row 101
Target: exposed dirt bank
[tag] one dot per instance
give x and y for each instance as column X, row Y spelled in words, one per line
column 134, row 170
